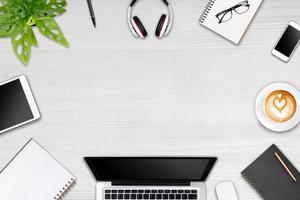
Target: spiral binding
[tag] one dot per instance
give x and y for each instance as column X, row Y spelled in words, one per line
column 206, row 10
column 254, row 186
column 64, row 189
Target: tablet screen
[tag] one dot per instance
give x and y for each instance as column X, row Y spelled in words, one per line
column 14, row 107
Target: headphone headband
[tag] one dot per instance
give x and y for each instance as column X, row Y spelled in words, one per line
column 129, row 11
column 134, row 1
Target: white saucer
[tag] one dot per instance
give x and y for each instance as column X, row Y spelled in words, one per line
column 264, row 119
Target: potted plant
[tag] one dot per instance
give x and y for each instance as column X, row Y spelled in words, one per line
column 18, row 19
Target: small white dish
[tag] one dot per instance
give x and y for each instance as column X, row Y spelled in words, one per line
column 262, row 107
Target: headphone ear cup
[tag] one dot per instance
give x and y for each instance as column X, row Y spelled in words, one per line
column 162, row 26
column 139, row 27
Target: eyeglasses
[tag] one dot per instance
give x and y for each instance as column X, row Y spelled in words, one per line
column 239, row 8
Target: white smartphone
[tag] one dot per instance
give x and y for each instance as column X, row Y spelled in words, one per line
column 17, row 104
column 288, row 42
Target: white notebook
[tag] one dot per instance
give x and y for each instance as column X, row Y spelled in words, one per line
column 33, row 174
column 229, row 18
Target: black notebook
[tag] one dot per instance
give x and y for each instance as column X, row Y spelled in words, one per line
column 273, row 176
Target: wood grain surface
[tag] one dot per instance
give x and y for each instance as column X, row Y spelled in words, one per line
column 191, row 93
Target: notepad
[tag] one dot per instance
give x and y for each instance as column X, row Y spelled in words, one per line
column 229, row 18
column 33, row 174
column 273, row 176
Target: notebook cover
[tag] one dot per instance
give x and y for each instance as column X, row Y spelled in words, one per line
column 33, row 174
column 233, row 29
column 270, row 179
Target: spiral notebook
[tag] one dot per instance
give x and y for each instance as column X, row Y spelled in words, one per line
column 33, row 174
column 229, row 18
column 273, row 176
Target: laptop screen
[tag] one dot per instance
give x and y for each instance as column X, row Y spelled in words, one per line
column 151, row 169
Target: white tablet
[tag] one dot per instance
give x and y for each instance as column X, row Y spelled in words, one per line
column 17, row 104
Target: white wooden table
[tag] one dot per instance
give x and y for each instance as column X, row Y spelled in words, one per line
column 192, row 93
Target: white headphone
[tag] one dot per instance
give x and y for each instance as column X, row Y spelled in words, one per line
column 163, row 27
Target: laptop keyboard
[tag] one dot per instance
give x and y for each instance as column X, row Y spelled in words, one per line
column 163, row 194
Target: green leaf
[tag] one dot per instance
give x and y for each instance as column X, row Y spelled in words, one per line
column 21, row 43
column 4, row 2
column 49, row 28
column 9, row 24
column 33, row 40
column 3, row 10
column 9, row 28
column 5, row 21
column 53, row 8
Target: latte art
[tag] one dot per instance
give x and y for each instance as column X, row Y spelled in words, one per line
column 280, row 106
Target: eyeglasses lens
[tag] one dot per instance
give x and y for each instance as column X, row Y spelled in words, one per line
column 242, row 8
column 226, row 16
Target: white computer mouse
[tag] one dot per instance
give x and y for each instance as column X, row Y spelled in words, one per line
column 226, row 191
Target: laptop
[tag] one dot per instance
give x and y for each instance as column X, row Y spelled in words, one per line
column 150, row 178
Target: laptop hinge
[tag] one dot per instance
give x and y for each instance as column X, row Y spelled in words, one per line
column 152, row 183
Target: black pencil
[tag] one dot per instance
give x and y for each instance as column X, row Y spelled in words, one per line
column 92, row 12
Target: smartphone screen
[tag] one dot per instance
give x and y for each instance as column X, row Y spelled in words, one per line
column 288, row 41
